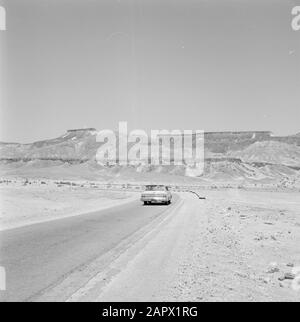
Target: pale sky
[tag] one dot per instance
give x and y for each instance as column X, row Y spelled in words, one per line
column 211, row 65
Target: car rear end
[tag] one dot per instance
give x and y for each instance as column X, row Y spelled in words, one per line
column 156, row 195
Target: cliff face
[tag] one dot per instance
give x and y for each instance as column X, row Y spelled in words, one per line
column 222, row 142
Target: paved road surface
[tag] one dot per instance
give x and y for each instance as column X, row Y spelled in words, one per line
column 38, row 256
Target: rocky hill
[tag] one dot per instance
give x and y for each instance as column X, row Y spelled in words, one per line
column 256, row 157
column 74, row 146
column 273, row 152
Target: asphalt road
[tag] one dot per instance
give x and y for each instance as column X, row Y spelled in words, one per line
column 38, row 256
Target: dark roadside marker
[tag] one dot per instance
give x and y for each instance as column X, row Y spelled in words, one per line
column 203, row 198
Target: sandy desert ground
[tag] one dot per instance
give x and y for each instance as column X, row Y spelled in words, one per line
column 230, row 247
column 236, row 245
column 43, row 200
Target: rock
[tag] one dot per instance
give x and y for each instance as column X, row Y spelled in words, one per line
column 273, row 268
column 289, row 276
column 290, row 264
column 273, row 237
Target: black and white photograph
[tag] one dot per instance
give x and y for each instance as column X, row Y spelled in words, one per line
column 149, row 153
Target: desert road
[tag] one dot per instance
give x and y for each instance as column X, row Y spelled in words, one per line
column 223, row 248
column 41, row 257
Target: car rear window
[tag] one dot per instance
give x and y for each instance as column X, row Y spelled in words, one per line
column 155, row 188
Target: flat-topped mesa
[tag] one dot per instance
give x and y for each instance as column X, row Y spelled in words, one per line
column 241, row 134
column 225, row 134
column 80, row 133
column 89, row 129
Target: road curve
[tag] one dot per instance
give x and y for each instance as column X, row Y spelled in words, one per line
column 38, row 256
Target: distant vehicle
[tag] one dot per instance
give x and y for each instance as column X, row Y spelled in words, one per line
column 156, row 194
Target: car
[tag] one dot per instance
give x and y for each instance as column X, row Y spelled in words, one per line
column 156, row 194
